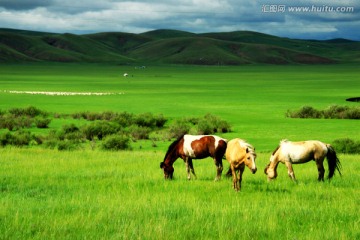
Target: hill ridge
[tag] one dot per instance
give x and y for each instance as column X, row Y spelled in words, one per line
column 173, row 46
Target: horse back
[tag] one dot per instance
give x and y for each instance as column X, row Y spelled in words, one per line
column 301, row 152
column 202, row 146
column 234, row 150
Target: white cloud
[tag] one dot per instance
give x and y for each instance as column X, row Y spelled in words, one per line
column 190, row 15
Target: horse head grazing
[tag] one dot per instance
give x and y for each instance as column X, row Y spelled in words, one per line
column 168, row 170
column 170, row 157
column 270, row 172
column 270, row 169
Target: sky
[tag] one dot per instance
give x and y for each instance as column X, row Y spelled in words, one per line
column 301, row 19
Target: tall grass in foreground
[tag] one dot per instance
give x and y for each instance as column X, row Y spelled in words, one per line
column 122, row 195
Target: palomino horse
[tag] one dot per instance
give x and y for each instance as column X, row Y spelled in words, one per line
column 301, row 152
column 190, row 147
column 239, row 154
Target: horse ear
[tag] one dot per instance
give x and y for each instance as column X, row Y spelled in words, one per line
column 162, row 165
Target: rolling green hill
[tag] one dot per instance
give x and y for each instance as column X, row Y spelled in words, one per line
column 172, row 46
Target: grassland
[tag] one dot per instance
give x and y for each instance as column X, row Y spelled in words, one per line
column 111, row 195
column 254, row 99
column 122, row 195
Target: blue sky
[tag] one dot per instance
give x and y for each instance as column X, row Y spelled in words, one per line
column 303, row 19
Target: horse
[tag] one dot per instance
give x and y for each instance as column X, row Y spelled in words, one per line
column 239, row 154
column 302, row 152
column 190, row 147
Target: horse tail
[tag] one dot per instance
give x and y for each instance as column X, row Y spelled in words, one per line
column 333, row 161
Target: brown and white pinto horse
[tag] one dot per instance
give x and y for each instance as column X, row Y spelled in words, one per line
column 301, row 152
column 190, row 147
column 239, row 154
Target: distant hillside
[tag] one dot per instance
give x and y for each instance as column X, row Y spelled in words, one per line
column 172, row 46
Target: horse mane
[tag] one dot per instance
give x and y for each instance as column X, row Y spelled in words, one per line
column 172, row 146
column 277, row 148
column 247, row 145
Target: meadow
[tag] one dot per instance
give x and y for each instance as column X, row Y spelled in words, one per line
column 97, row 194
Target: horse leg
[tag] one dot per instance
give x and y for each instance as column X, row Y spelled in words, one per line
column 241, row 171
column 188, row 162
column 321, row 169
column 219, row 169
column 234, row 176
column 192, row 167
column 290, row 171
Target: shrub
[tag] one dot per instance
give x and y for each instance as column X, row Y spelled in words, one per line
column 19, row 138
column 353, row 113
column 124, row 119
column 100, row 129
column 67, row 145
column 42, row 122
column 7, row 122
column 70, row 128
column 212, row 124
column 116, row 142
column 150, row 120
column 160, row 121
column 305, row 112
column 179, row 127
column 347, row 145
column 30, row 111
column 205, row 127
column 139, row 132
column 5, row 139
column 335, row 111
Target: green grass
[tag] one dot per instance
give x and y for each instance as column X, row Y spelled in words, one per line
column 253, row 99
column 122, row 195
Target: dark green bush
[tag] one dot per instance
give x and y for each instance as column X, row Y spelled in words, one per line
column 11, row 122
column 353, row 113
column 70, row 128
column 19, row 138
column 150, row 120
column 7, row 122
column 67, row 145
column 179, row 127
column 116, row 142
column 41, row 122
column 100, row 129
column 70, row 132
column 332, row 112
column 205, row 127
column 30, row 111
column 211, row 124
column 5, row 138
column 346, row 145
column 139, row 132
column 305, row 112
column 125, row 119
column 335, row 111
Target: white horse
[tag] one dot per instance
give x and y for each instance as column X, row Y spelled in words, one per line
column 301, row 152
